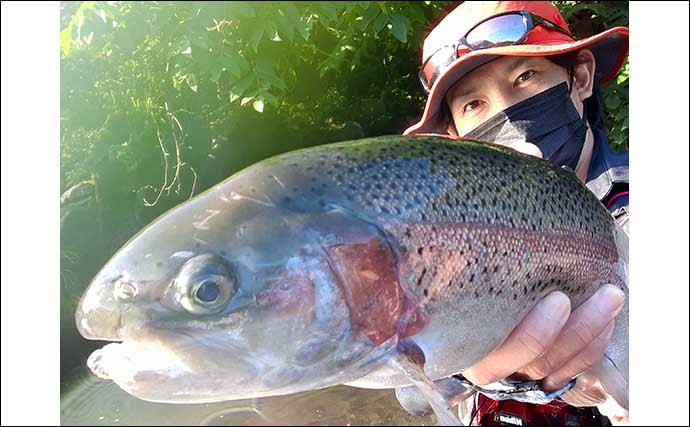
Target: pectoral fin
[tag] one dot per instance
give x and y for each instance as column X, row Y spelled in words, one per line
column 409, row 360
column 416, row 403
column 604, row 386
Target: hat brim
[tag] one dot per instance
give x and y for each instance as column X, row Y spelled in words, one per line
column 601, row 45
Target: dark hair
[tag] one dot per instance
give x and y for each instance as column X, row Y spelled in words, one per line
column 594, row 105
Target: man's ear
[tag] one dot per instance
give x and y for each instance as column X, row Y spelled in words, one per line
column 447, row 118
column 585, row 66
column 451, row 129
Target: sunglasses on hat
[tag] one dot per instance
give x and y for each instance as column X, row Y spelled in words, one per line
column 505, row 29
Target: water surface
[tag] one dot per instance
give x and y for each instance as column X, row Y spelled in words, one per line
column 92, row 401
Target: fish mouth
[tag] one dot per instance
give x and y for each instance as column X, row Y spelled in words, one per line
column 156, row 373
column 127, row 362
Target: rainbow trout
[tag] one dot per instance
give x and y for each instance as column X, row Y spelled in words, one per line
column 390, row 262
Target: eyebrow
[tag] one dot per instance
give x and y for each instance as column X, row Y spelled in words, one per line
column 515, row 64
column 465, row 91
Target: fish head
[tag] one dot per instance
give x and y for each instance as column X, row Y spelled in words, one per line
column 235, row 294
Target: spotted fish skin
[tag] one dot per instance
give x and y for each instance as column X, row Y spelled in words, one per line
column 333, row 256
column 480, row 232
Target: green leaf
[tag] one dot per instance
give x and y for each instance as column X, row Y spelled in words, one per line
column 215, row 71
column 202, row 57
column 271, row 31
column 621, row 78
column 101, row 14
column 191, row 81
column 259, row 105
column 236, row 64
column 399, row 29
column 249, row 97
column 240, row 87
column 379, row 23
column 241, row 9
column 265, row 72
column 269, row 98
column 255, row 37
column 264, row 66
column 279, row 83
column 369, row 15
column 87, row 5
column 291, row 12
column 77, row 19
column 66, row 40
column 304, row 28
column 612, row 101
column 284, row 26
column 329, row 10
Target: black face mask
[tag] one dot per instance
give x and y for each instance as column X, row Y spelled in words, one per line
column 549, row 120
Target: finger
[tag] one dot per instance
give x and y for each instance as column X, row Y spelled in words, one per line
column 581, row 362
column 585, row 324
column 532, row 336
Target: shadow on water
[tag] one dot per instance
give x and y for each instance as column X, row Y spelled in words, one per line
column 91, row 401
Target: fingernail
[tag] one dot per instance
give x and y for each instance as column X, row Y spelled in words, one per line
column 612, row 299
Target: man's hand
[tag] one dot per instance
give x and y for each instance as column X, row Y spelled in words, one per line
column 552, row 343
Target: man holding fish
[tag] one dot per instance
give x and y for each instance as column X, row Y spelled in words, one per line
column 402, row 262
column 511, row 73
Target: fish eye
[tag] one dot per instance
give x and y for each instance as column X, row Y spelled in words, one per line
column 204, row 285
column 208, row 291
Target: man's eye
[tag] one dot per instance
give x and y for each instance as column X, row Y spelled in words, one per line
column 524, row 77
column 470, row 106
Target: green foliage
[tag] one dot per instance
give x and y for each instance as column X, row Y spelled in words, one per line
column 132, row 70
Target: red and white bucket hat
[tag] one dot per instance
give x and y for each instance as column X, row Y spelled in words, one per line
column 458, row 45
